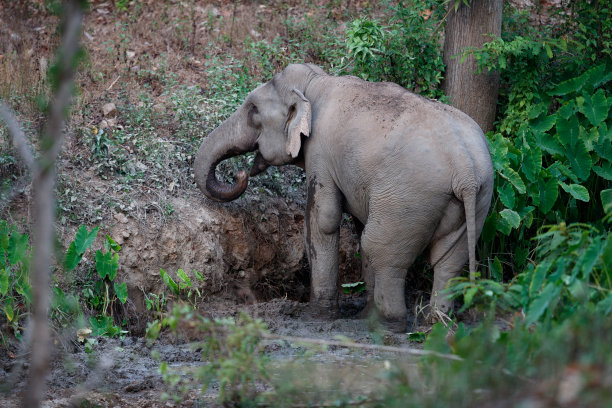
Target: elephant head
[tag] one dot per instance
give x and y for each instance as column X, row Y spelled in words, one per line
column 272, row 120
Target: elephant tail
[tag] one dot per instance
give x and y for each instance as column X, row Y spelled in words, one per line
column 469, row 205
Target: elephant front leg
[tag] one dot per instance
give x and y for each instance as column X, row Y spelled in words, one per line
column 323, row 216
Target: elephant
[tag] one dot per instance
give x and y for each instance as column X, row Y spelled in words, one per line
column 414, row 173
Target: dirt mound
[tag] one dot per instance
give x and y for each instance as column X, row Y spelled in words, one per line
column 248, row 251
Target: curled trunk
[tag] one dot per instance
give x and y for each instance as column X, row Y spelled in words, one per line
column 224, row 142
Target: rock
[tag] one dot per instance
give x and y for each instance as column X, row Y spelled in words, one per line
column 130, row 54
column 109, row 110
column 121, row 218
column 108, row 123
column 159, row 108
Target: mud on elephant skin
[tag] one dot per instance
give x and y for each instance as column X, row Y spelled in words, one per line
column 417, row 174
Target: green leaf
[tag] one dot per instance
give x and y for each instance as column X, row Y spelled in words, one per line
column 84, row 239
column 497, row 271
column 548, row 194
column 489, row 228
column 513, row 177
column 4, row 235
column 469, row 296
column 509, row 219
column 72, row 257
column 549, row 143
column 541, row 302
column 606, row 254
column 17, row 246
column 4, row 282
column 100, row 326
column 9, row 311
column 569, row 86
column 568, row 130
column 532, row 163
column 185, row 281
column 121, row 291
column 198, row 275
column 580, row 160
column 543, row 124
column 567, row 110
column 113, row 245
column 506, row 194
column 589, row 258
column 107, row 264
column 604, row 171
column 598, row 75
column 169, row 282
column 576, row 190
column 595, row 107
column 606, row 200
column 604, row 307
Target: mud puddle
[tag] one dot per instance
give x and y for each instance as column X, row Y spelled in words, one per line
column 124, row 373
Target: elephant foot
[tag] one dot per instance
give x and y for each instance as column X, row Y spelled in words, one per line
column 377, row 319
column 323, row 309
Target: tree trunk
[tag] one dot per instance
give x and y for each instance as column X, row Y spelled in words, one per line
column 474, row 94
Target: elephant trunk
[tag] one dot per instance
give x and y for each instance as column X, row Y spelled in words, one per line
column 223, row 143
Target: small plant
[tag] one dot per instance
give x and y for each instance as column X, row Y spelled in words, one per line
column 184, row 289
column 232, row 353
column 99, row 294
column 15, row 289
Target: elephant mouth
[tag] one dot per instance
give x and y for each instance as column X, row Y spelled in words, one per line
column 259, row 165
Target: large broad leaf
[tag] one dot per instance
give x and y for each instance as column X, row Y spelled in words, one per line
column 513, row 177
column 72, row 257
column 569, row 86
column 558, row 169
column 541, row 302
column 532, row 163
column 598, row 75
column 17, row 246
column 499, row 152
column 590, row 258
column 107, row 264
column 576, row 190
column 84, row 239
column 121, row 291
column 604, row 145
column 580, row 160
column 567, row 110
column 549, row 143
column 595, row 107
column 509, row 219
column 568, row 130
column 604, row 171
column 506, row 194
column 543, row 124
column 604, row 307
column 548, row 194
column 606, row 200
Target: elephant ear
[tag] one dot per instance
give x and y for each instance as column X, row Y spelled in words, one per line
column 299, row 124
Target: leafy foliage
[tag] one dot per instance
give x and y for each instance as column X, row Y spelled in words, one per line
column 15, row 288
column 231, row 351
column 406, row 52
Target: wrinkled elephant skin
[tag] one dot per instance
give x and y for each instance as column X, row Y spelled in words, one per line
column 416, row 173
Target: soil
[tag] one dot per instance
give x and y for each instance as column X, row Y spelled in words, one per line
column 122, row 372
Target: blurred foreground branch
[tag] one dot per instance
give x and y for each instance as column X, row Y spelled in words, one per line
column 43, row 185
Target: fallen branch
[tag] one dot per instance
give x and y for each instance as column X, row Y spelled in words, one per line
column 19, row 138
column 374, row 347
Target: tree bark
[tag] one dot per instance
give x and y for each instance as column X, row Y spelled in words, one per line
column 474, row 94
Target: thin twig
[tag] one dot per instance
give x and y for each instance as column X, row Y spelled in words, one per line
column 19, row 139
column 113, row 83
column 375, row 347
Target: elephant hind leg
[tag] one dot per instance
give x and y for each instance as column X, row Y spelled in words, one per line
column 449, row 249
column 386, row 260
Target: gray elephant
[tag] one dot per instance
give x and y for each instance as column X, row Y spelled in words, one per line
column 414, row 173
